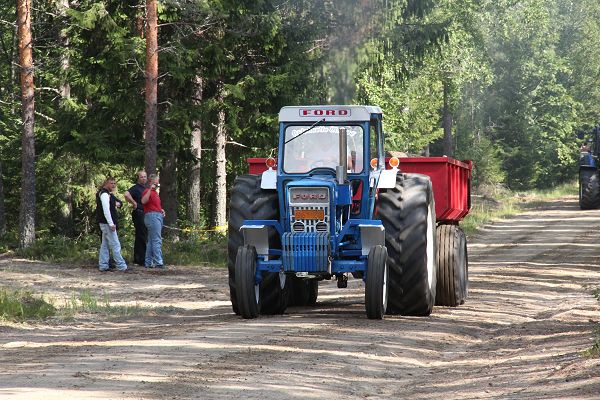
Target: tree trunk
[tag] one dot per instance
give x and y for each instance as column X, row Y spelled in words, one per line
column 2, row 212
column 65, row 60
column 150, row 123
column 65, row 217
column 220, row 191
column 195, row 190
column 168, row 194
column 27, row 212
column 15, row 68
column 447, row 123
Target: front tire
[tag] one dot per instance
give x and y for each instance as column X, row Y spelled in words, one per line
column 249, row 202
column 247, row 291
column 376, row 288
column 408, row 215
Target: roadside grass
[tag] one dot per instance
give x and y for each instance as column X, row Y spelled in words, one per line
column 22, row 305
column 186, row 249
column 196, row 249
column 594, row 351
column 18, row 305
column 59, row 249
column 86, row 302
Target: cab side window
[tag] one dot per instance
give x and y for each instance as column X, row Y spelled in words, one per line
column 373, row 143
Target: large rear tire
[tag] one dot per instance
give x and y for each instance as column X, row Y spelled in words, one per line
column 247, row 291
column 589, row 189
column 376, row 287
column 452, row 266
column 250, row 202
column 408, row 215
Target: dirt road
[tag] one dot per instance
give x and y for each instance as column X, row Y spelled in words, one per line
column 519, row 335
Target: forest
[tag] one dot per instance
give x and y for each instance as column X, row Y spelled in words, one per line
column 509, row 84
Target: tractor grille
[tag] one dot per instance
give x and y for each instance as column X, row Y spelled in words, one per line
column 305, row 252
column 309, row 209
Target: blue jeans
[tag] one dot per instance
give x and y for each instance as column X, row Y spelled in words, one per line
column 110, row 241
column 154, row 222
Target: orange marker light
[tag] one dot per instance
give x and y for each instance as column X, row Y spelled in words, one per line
column 394, row 162
column 374, row 163
column 270, row 162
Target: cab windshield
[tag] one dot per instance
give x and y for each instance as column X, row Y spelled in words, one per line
column 319, row 148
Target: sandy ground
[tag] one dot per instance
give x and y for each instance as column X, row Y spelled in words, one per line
column 520, row 335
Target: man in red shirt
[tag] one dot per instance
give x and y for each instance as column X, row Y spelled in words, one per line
column 153, row 219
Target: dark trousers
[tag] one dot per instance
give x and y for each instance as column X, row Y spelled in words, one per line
column 141, row 237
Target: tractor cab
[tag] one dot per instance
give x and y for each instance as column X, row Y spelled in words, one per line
column 338, row 146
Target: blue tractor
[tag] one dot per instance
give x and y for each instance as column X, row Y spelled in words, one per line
column 589, row 177
column 331, row 208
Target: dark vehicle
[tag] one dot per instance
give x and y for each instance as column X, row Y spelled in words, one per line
column 589, row 179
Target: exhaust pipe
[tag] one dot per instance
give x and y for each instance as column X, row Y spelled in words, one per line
column 341, row 171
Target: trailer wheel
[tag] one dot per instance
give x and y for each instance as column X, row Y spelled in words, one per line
column 452, row 268
column 247, row 291
column 589, row 189
column 303, row 292
column 376, row 287
column 249, row 202
column 408, row 215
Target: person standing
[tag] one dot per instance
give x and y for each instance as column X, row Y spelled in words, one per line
column 134, row 197
column 107, row 218
column 153, row 219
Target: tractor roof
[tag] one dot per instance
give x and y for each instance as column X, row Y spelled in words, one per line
column 329, row 113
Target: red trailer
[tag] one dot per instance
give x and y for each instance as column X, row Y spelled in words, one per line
column 451, row 180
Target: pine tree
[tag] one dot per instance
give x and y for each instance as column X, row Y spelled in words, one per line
column 27, row 212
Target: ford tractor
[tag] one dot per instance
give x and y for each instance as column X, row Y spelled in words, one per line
column 332, row 206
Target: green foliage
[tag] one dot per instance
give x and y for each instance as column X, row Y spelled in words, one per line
column 519, row 77
column 21, row 305
column 63, row 249
column 197, row 249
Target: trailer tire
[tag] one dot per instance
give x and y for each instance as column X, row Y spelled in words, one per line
column 249, row 202
column 376, row 286
column 408, row 215
column 248, row 292
column 452, row 266
column 589, row 189
column 303, row 292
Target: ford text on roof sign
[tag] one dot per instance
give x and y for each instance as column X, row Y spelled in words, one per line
column 341, row 112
